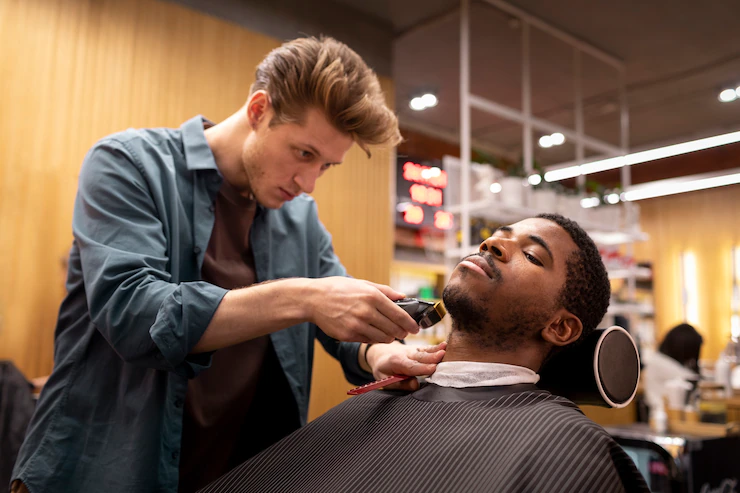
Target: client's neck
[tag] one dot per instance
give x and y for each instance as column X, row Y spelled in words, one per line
column 462, row 346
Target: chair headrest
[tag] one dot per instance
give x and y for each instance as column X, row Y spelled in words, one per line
column 602, row 370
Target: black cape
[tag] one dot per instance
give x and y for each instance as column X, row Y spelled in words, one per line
column 484, row 439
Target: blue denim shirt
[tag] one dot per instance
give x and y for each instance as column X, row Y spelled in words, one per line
column 110, row 417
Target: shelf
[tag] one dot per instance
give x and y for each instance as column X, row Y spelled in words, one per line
column 640, row 273
column 494, row 210
column 434, row 268
column 630, row 308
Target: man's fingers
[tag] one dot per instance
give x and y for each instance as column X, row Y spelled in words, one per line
column 398, row 316
column 419, row 369
column 387, row 291
column 429, row 358
column 375, row 335
column 434, row 348
column 409, row 385
column 383, row 323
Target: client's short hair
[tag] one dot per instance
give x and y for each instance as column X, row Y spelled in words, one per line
column 587, row 290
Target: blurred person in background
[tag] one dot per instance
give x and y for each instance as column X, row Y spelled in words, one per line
column 671, row 372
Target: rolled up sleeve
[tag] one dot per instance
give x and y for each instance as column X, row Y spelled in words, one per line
column 148, row 319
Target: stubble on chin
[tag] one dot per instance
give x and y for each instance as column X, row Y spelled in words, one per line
column 506, row 330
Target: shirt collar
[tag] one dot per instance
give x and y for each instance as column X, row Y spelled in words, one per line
column 198, row 154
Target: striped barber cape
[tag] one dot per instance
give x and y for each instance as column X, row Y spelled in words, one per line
column 438, row 439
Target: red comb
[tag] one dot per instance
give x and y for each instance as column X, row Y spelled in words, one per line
column 377, row 384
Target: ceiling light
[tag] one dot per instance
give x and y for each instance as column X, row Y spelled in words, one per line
column 496, row 187
column 660, row 189
column 590, row 202
column 545, row 141
column 429, row 100
column 417, row 104
column 557, row 138
column 534, row 180
column 612, row 198
column 728, row 95
column 641, row 157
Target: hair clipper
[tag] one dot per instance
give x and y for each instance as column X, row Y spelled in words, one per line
column 424, row 313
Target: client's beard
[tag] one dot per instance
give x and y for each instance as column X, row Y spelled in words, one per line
column 470, row 316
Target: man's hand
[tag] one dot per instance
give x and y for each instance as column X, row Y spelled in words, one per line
column 360, row 311
column 398, row 359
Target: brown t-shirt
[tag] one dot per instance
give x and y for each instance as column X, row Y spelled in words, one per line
column 224, row 400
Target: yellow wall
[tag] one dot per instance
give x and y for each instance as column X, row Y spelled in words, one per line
column 705, row 222
column 72, row 71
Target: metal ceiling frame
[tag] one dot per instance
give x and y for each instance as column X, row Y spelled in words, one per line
column 525, row 117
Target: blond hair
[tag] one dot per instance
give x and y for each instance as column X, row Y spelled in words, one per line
column 326, row 74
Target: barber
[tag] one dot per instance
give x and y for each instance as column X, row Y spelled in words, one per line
column 199, row 277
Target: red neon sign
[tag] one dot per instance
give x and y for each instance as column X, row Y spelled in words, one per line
column 425, row 175
column 413, row 214
column 443, row 220
column 426, row 195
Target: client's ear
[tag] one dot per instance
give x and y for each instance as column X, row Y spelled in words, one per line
column 564, row 328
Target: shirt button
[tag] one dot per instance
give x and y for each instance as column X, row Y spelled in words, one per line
column 196, row 250
column 178, row 403
column 175, row 455
column 212, row 208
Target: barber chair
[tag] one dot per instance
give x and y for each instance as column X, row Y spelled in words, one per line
column 602, row 370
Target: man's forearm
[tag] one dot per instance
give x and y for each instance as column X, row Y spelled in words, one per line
column 248, row 313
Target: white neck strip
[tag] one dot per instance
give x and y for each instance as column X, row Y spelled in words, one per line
column 461, row 374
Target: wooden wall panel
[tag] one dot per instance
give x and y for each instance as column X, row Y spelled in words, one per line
column 707, row 223
column 73, row 71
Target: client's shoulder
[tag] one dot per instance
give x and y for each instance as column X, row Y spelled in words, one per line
column 554, row 412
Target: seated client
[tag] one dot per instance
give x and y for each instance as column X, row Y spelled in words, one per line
column 479, row 423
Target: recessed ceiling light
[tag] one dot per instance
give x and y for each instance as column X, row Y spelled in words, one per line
column 430, row 100
column 534, row 180
column 728, row 95
column 496, row 187
column 557, row 138
column 545, row 141
column 417, row 104
column 612, row 198
column 589, row 202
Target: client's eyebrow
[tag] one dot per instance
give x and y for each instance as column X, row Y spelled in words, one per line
column 543, row 244
column 534, row 238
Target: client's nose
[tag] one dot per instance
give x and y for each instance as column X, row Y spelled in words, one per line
column 497, row 247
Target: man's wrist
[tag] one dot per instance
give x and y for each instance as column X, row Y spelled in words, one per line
column 299, row 291
column 362, row 358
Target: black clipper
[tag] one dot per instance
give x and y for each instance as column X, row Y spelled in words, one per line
column 425, row 313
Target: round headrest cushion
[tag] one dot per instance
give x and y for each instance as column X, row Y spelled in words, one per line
column 618, row 366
